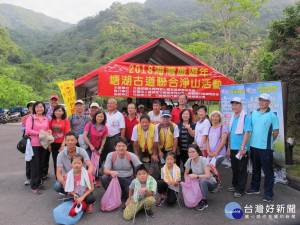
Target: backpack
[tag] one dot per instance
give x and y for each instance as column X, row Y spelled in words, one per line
column 171, row 127
column 214, row 172
column 114, row 157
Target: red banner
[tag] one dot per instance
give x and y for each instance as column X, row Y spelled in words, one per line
column 125, row 79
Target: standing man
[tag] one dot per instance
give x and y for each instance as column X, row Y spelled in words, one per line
column 238, row 147
column 116, row 127
column 94, row 107
column 145, row 142
column 54, row 100
column 130, row 122
column 182, row 101
column 265, row 129
column 141, row 111
column 168, row 134
column 78, row 120
column 155, row 114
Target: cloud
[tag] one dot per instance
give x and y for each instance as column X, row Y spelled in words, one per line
column 67, row 10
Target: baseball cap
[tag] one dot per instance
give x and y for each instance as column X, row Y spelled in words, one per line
column 29, row 103
column 141, row 106
column 166, row 113
column 94, row 104
column 236, row 100
column 79, row 101
column 265, row 96
column 54, row 96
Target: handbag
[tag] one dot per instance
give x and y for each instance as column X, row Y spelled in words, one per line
column 61, row 214
column 21, row 146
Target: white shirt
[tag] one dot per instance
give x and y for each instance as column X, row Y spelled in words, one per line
column 176, row 131
column 134, row 136
column 115, row 122
column 155, row 119
column 201, row 129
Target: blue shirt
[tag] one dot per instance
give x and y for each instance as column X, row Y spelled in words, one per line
column 236, row 140
column 263, row 125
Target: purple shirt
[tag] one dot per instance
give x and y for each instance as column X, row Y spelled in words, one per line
column 38, row 125
column 215, row 139
column 49, row 114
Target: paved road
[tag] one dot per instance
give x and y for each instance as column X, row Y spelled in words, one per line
column 18, row 206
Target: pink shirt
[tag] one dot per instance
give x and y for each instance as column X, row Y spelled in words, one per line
column 38, row 125
column 96, row 135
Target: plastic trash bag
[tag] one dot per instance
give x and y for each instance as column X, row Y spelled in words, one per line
column 61, row 214
column 191, row 192
column 112, row 197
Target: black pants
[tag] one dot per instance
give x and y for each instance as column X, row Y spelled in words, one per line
column 28, row 170
column 37, row 166
column 55, row 150
column 162, row 188
column 239, row 171
column 90, row 198
column 46, row 163
column 109, row 146
column 182, row 157
column 124, row 183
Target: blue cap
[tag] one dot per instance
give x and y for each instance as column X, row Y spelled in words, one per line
column 166, row 113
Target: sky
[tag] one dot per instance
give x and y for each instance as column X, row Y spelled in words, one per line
column 71, row 11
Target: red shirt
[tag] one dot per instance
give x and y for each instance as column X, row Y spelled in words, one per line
column 78, row 189
column 59, row 129
column 129, row 125
column 175, row 114
column 96, row 135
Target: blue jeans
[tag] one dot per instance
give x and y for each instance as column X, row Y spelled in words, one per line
column 58, row 187
column 262, row 158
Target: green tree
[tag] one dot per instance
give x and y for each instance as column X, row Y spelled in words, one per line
column 15, row 94
column 233, row 20
column 281, row 61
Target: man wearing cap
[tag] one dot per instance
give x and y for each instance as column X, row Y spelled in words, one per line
column 78, row 120
column 168, row 134
column 94, row 107
column 155, row 114
column 265, row 129
column 182, row 101
column 237, row 148
column 130, row 122
column 116, row 127
column 54, row 100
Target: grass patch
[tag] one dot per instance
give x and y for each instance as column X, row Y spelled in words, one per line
column 294, row 170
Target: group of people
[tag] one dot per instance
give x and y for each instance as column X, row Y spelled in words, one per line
column 132, row 147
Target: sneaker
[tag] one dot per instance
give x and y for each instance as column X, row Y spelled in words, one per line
column 202, row 205
column 252, row 192
column 36, row 191
column 267, row 198
column 89, row 208
column 237, row 194
column 98, row 183
column 149, row 213
column 160, row 202
column 231, row 189
column 27, row 182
